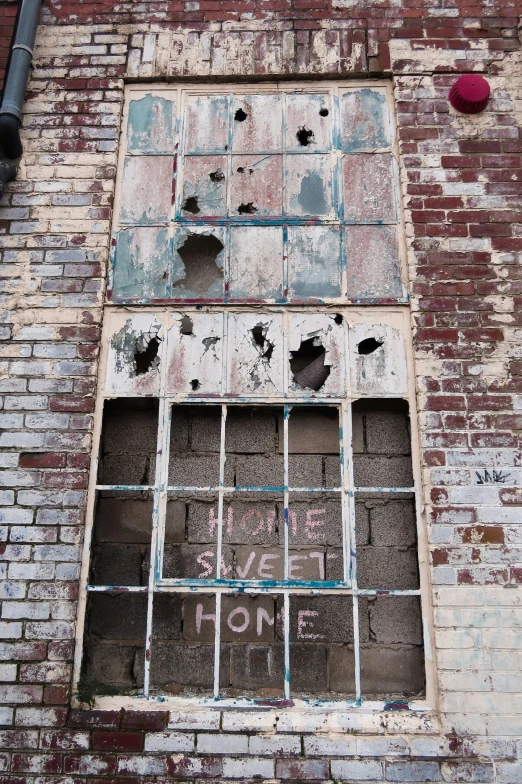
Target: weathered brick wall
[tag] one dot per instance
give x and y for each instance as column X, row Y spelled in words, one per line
column 8, row 11
column 461, row 186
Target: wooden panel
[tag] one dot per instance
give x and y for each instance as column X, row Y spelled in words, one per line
column 257, row 185
column 308, row 185
column 314, row 262
column 195, row 353
column 129, row 335
column 142, row 260
column 372, row 263
column 204, row 186
column 308, row 122
column 261, row 129
column 365, row 122
column 383, row 370
column 146, row 190
column 206, row 123
column 151, row 125
column 256, row 262
column 369, row 192
column 255, row 354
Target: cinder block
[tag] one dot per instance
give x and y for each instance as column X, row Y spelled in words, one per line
column 178, row 667
column 117, row 616
column 312, row 431
column 387, row 567
column 130, row 426
column 393, row 523
column 166, row 616
column 205, row 430
column 263, row 563
column 341, row 666
column 392, row 671
column 251, row 430
column 118, row 564
column 243, row 618
column 316, row 520
column 323, row 619
column 109, row 663
column 396, row 619
column 387, row 433
column 305, row 471
column 175, row 521
column 252, row 521
column 127, row 469
column 196, row 561
column 254, row 471
column 382, row 471
column 126, row 520
column 194, row 471
column 258, row 669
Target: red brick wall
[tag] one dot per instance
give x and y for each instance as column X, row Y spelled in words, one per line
column 8, row 12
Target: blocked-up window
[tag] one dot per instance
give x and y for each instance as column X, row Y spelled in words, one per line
column 254, row 500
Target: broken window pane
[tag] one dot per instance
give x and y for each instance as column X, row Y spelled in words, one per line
column 182, row 651
column 255, row 354
column 307, row 122
column 257, row 185
column 194, row 446
column 121, row 538
column 257, row 123
column 134, row 356
column 321, row 647
column 114, row 644
column 198, row 263
column 128, row 442
column 252, row 653
column 392, row 656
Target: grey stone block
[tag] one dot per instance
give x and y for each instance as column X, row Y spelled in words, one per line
column 178, row 668
column 393, row 523
column 130, row 425
column 314, row 521
column 383, row 471
column 206, row 430
column 308, row 669
column 118, row 564
column 387, row 567
column 342, row 670
column 254, row 471
column 127, row 469
column 321, row 619
column 179, row 428
column 334, row 564
column 194, row 470
column 251, row 430
column 265, row 563
column 357, row 432
column 251, row 521
column 166, row 616
column 387, row 433
column 175, row 521
column 244, row 618
column 196, row 561
column 123, row 520
column 413, row 771
column 110, row 664
column 332, row 471
column 396, row 619
column 312, row 431
column 258, row 669
column 392, row 671
column 117, row 616
column 305, row 471
column 362, row 524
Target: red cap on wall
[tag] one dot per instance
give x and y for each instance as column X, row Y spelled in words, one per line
column 470, row 94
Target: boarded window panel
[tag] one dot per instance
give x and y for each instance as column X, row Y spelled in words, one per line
column 146, row 190
column 308, row 122
column 369, row 193
column 365, row 121
column 204, row 186
column 141, row 268
column 372, row 263
column 206, row 123
column 128, row 442
column 198, row 261
column 257, row 185
column 392, row 662
column 316, row 346
column 135, row 354
column 256, row 262
column 151, row 125
column 378, row 360
column 195, row 354
column 314, row 262
column 261, row 129
column 308, row 185
column 255, row 354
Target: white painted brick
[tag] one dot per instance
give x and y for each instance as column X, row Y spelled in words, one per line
column 357, row 770
column 275, row 745
column 220, row 743
column 169, row 741
column 248, row 768
column 336, row 746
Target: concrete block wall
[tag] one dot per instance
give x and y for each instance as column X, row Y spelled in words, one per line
column 461, row 194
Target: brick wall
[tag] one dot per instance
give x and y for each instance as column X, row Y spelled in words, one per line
column 461, row 186
column 8, row 12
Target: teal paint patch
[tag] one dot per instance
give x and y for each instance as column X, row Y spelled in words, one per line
column 312, row 197
column 141, row 268
column 150, row 127
column 365, row 123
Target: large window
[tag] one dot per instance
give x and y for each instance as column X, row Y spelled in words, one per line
column 254, row 497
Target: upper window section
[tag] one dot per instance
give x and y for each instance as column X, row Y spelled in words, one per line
column 264, row 194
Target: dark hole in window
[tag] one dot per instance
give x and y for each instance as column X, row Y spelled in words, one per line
column 144, row 359
column 186, row 325
column 242, row 170
column 210, row 342
column 247, row 209
column 308, row 366
column 368, row 346
column 217, row 176
column 323, row 112
column 199, row 253
column 338, row 319
column 194, row 384
column 191, row 205
column 266, row 347
column 240, row 115
column 304, row 136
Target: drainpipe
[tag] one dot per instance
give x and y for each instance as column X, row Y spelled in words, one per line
column 14, row 89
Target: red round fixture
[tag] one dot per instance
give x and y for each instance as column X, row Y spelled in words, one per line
column 470, row 94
